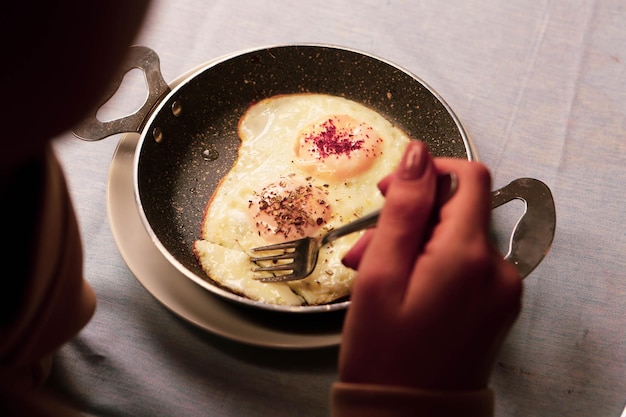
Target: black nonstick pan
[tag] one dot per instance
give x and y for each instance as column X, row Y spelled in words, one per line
column 189, row 136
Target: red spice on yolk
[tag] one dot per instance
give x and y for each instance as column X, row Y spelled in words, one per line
column 332, row 140
column 337, row 147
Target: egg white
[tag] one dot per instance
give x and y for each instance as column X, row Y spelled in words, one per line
column 269, row 130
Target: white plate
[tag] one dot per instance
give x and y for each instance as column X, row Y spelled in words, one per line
column 187, row 299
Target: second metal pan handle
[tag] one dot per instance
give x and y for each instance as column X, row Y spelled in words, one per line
column 145, row 59
column 532, row 238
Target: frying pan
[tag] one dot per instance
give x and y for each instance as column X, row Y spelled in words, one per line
column 188, row 139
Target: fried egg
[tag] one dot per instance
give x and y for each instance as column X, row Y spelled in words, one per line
column 307, row 163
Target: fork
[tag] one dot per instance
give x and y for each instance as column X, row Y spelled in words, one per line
column 297, row 258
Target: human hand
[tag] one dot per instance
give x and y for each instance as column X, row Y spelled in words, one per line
column 431, row 304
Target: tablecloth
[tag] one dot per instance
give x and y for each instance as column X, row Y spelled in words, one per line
column 540, row 87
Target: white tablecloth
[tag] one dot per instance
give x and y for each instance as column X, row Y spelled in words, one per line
column 540, row 87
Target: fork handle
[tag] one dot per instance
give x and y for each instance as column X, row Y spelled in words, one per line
column 365, row 222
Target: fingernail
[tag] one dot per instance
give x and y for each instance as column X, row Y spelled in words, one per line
column 413, row 163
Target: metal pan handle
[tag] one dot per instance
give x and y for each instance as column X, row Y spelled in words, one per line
column 533, row 234
column 145, row 59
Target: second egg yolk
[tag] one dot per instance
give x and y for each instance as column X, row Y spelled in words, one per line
column 289, row 209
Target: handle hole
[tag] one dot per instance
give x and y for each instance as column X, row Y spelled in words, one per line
column 503, row 222
column 135, row 94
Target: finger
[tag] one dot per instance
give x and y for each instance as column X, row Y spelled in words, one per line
column 383, row 184
column 509, row 285
column 390, row 254
column 353, row 257
column 446, row 186
column 468, row 212
column 458, row 248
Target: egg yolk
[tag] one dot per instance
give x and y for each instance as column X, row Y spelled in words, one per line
column 289, row 209
column 337, row 147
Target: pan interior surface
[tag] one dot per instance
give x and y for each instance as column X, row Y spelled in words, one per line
column 190, row 142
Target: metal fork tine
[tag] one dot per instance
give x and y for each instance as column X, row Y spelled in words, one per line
column 286, row 255
column 284, row 245
column 272, row 268
column 281, row 278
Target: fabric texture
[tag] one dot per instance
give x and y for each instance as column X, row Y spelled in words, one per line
column 362, row 400
column 540, row 88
